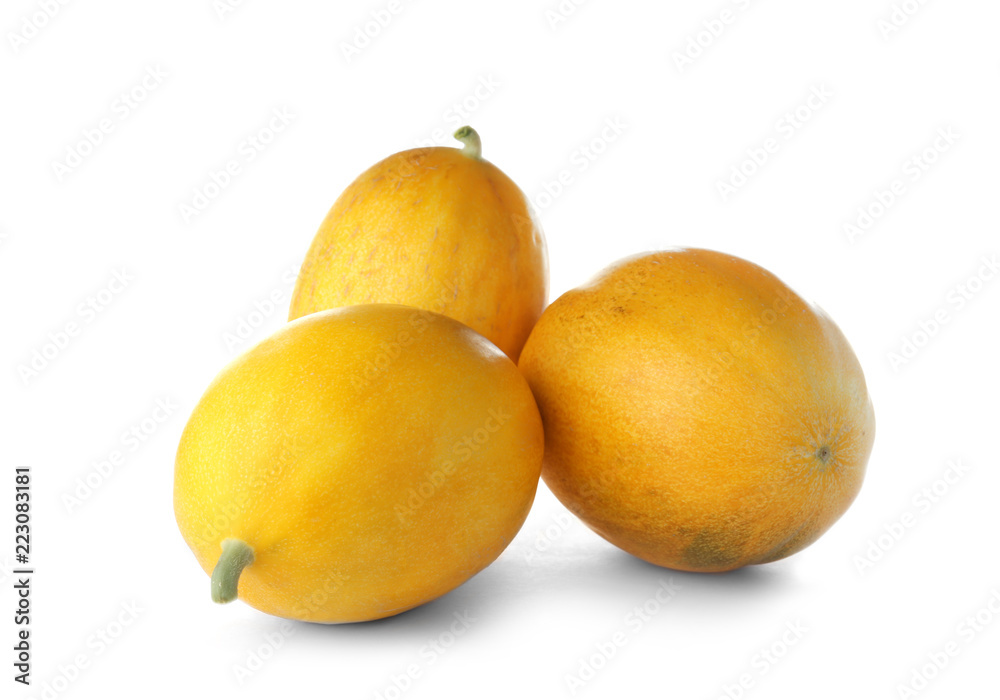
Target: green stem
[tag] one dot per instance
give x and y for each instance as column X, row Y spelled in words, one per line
column 473, row 144
column 236, row 555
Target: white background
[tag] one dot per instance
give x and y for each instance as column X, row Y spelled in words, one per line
column 559, row 593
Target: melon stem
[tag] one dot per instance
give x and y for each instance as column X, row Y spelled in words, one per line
column 473, row 144
column 236, row 555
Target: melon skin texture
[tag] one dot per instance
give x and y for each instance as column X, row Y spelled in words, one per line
column 698, row 413
column 436, row 228
column 358, row 463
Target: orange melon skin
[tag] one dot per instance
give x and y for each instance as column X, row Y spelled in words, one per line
column 436, row 229
column 373, row 457
column 698, row 413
